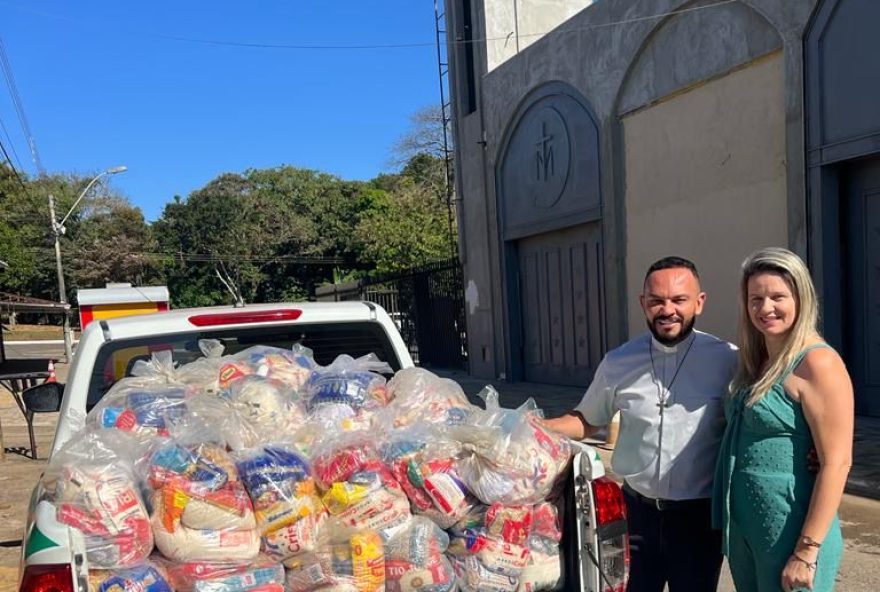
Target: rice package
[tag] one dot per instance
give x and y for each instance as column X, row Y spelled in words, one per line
column 201, row 511
column 144, row 577
column 288, row 509
column 95, row 491
column 259, row 575
column 354, row 563
column 512, row 457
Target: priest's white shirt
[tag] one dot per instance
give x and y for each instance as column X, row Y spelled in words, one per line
column 670, row 400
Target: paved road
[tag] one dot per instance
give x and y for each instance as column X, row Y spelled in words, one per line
column 33, row 350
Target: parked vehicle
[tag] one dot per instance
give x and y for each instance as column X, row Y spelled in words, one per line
column 595, row 551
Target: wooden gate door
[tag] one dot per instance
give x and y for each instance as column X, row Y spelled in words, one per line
column 862, row 298
column 560, row 282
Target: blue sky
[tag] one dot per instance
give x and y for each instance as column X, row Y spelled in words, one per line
column 102, row 85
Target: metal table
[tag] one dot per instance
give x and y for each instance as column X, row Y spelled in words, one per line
column 16, row 376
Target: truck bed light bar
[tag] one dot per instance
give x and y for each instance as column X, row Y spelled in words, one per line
column 245, row 316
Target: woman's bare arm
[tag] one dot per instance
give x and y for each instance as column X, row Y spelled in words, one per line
column 826, row 396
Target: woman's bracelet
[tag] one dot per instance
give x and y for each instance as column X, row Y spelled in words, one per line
column 809, row 541
column 810, row 565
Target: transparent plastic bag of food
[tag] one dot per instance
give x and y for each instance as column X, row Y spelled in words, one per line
column 357, row 383
column 200, row 509
column 424, row 460
column 143, row 409
column 271, row 407
column 348, row 562
column 288, row 508
column 92, row 483
column 511, row 458
column 415, row 560
column 357, row 488
column 204, row 373
column 420, row 396
column 143, row 577
column 293, row 367
column 260, row 574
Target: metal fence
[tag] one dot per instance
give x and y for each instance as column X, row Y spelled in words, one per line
column 427, row 305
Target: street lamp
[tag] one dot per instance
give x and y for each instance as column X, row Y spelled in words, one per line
column 58, row 229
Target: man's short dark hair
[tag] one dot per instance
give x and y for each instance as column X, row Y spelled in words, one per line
column 673, row 263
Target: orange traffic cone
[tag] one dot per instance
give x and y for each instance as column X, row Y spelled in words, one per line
column 52, row 377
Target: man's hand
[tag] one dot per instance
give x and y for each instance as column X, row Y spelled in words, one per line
column 572, row 424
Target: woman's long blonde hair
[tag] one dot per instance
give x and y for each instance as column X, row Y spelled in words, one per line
column 752, row 348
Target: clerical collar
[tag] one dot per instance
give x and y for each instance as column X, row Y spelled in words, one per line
column 671, row 349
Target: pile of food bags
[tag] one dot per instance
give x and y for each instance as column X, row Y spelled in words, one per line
column 263, row 471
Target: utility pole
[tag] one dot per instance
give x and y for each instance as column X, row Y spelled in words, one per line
column 58, row 230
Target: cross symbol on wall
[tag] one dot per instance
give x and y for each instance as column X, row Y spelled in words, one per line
column 544, row 155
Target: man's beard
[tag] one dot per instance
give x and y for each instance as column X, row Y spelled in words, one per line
column 687, row 328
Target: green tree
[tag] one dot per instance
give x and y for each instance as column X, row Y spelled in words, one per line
column 406, row 228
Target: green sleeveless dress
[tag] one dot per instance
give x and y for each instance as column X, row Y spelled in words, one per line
column 762, row 490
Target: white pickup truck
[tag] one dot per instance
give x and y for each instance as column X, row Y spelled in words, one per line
column 595, row 551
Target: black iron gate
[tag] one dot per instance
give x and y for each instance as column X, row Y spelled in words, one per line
column 427, row 305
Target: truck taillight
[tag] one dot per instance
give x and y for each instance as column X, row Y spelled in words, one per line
column 612, row 534
column 608, row 497
column 47, row 578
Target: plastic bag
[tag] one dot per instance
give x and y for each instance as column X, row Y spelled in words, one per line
column 419, row 396
column 289, row 513
column 424, row 461
column 261, row 574
column 415, row 560
column 512, row 458
column 92, row 484
column 200, row 510
column 293, row 367
column 270, row 406
column 355, row 563
column 204, row 373
column 358, row 489
column 143, row 409
column 473, row 576
column 144, row 577
column 349, row 381
column 544, row 569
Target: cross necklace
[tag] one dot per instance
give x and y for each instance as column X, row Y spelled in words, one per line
column 662, row 400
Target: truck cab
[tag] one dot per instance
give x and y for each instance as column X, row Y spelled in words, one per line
column 594, row 548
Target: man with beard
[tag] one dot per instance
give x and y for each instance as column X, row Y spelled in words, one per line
column 668, row 385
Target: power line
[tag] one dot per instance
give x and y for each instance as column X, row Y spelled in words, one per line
column 11, row 143
column 19, row 107
column 357, row 45
column 215, row 258
column 14, row 170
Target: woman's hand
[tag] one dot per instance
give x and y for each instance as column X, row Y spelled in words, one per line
column 799, row 572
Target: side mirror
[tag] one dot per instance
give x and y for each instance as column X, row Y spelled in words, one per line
column 43, row 398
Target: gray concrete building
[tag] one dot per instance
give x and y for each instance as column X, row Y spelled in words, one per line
column 593, row 137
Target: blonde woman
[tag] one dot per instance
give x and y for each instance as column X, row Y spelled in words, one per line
column 792, row 392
